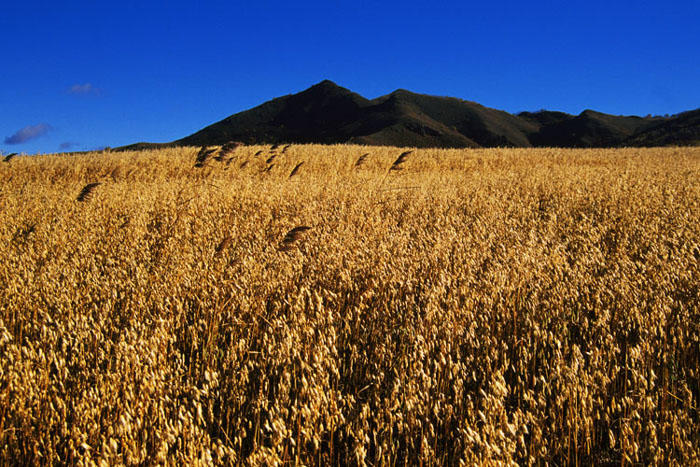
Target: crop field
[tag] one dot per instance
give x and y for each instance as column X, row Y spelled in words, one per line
column 367, row 307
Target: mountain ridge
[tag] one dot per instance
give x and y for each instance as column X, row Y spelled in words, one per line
column 329, row 114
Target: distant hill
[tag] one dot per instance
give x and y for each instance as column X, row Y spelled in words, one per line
column 680, row 130
column 327, row 113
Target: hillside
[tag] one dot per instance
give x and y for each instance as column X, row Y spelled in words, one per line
column 327, row 113
column 681, row 130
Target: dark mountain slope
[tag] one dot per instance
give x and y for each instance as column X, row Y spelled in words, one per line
column 395, row 119
column 315, row 115
column 588, row 129
column 485, row 126
column 327, row 113
column 544, row 117
column 680, row 130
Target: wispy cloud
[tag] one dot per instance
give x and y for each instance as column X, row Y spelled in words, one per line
column 68, row 145
column 86, row 89
column 28, row 133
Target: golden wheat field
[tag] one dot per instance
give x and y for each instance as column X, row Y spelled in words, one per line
column 445, row 307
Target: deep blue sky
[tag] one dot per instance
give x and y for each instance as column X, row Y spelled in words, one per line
column 82, row 75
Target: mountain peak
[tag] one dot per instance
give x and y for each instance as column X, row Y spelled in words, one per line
column 325, row 84
column 325, row 89
column 327, row 113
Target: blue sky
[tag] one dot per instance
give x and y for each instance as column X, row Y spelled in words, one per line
column 80, row 75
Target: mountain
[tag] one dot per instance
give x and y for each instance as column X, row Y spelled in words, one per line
column 327, row 113
column 588, row 129
column 681, row 130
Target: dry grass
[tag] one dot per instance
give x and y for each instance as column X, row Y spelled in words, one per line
column 9, row 157
column 398, row 163
column 289, row 241
column 485, row 307
column 87, row 191
column 295, row 170
column 361, row 160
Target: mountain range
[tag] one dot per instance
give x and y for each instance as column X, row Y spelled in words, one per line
column 327, row 113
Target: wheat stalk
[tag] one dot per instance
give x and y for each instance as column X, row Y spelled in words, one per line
column 226, row 150
column 202, row 156
column 87, row 191
column 23, row 233
column 361, row 160
column 296, row 169
column 29, row 229
column 399, row 161
column 225, row 243
column 395, row 166
column 289, row 240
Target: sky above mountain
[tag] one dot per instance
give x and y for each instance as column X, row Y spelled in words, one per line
column 83, row 75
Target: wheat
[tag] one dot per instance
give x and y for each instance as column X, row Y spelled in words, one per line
column 87, row 191
column 361, row 160
column 397, row 165
column 296, row 169
column 226, row 150
column 514, row 307
column 225, row 243
column 288, row 243
column 22, row 234
column 9, row 157
column 202, row 156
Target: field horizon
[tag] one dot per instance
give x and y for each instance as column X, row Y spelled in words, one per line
column 351, row 305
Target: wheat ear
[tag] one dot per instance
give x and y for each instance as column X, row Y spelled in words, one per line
column 289, row 240
column 202, row 156
column 296, row 169
column 361, row 160
column 87, row 190
column 225, row 243
column 395, row 166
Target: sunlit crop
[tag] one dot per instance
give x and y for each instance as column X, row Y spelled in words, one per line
column 351, row 305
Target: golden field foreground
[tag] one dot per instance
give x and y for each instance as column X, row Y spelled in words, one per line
column 500, row 306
